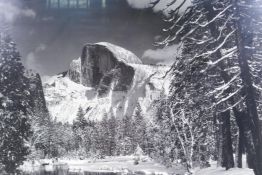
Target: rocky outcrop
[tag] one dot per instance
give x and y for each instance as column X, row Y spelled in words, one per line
column 74, row 71
column 102, row 64
column 36, row 94
column 106, row 79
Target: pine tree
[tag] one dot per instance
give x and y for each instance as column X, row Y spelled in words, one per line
column 125, row 136
column 139, row 124
column 80, row 121
column 15, row 126
column 103, row 139
column 223, row 37
column 112, row 126
column 79, row 126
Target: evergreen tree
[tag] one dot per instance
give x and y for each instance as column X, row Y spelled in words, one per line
column 14, row 112
column 79, row 126
column 102, row 140
column 89, row 137
column 139, row 123
column 221, row 44
column 125, row 136
column 80, row 121
column 112, row 126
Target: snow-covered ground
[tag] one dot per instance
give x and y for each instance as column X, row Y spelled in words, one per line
column 123, row 164
column 126, row 165
column 222, row 171
column 214, row 170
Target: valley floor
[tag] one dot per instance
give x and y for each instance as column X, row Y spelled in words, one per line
column 125, row 165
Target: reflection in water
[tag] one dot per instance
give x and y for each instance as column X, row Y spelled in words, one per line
column 63, row 169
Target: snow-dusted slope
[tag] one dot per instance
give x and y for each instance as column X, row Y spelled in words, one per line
column 121, row 53
column 66, row 93
column 64, row 97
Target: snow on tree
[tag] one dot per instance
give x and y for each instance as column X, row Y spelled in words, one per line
column 182, row 133
column 112, row 126
column 219, row 39
column 15, row 127
column 140, row 132
column 125, row 136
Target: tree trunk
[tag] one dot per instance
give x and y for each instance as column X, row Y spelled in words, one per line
column 252, row 131
column 228, row 161
column 249, row 161
column 219, row 145
column 216, row 130
column 226, row 158
column 239, row 151
column 241, row 118
column 244, row 40
column 241, row 138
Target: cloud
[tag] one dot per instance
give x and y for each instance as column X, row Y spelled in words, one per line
column 139, row 4
column 49, row 18
column 10, row 11
column 161, row 6
column 165, row 55
column 31, row 61
column 40, row 48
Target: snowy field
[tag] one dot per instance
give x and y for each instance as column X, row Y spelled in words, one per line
column 125, row 165
column 222, row 171
column 214, row 170
column 122, row 164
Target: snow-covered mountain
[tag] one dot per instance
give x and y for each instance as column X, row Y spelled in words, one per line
column 106, row 79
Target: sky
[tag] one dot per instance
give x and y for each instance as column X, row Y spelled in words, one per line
column 49, row 38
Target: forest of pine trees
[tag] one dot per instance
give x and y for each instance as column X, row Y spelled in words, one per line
column 216, row 85
column 87, row 138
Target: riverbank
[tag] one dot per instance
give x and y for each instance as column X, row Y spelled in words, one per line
column 120, row 164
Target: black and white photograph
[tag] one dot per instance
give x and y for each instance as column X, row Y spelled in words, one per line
column 130, row 87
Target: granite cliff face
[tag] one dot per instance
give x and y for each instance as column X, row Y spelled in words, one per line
column 74, row 72
column 36, row 96
column 103, row 63
column 106, row 79
column 100, row 65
